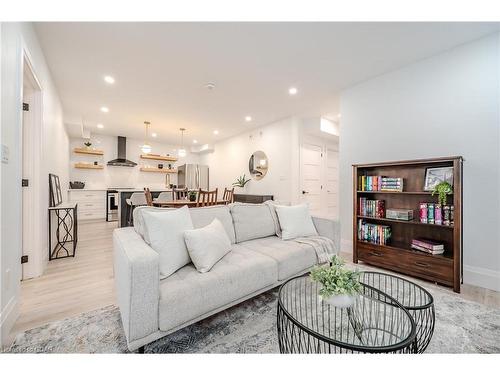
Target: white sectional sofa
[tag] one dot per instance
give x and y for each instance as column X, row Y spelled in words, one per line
column 258, row 261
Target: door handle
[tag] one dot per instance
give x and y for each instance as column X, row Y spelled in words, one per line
column 305, row 192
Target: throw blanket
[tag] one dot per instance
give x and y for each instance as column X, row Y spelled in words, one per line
column 324, row 247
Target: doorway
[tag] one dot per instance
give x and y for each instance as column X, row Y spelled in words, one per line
column 30, row 150
column 319, row 175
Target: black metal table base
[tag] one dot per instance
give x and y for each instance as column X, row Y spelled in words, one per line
column 66, row 232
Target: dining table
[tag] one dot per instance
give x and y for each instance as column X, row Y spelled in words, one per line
column 183, row 202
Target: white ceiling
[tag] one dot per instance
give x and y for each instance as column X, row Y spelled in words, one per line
column 161, row 69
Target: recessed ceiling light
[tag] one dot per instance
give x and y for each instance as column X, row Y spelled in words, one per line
column 100, row 126
column 293, row 90
column 105, row 109
column 210, row 86
column 109, row 79
column 153, row 135
column 248, row 118
column 216, row 132
column 195, row 141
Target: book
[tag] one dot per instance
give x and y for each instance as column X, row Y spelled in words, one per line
column 437, row 214
column 430, row 213
column 446, row 215
column 423, row 212
column 428, row 244
column 433, row 252
column 373, row 233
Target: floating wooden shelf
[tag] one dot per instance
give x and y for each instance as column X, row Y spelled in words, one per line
column 88, row 166
column 87, row 151
column 158, row 157
column 158, row 170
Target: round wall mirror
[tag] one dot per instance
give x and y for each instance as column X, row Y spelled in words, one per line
column 258, row 165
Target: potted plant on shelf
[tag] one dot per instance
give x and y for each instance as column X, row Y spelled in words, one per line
column 442, row 189
column 87, row 144
column 339, row 286
column 241, row 182
column 192, row 195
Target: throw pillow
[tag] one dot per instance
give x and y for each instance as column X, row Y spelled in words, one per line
column 295, row 221
column 207, row 245
column 165, row 230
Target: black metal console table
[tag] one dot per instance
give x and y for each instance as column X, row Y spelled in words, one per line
column 66, row 230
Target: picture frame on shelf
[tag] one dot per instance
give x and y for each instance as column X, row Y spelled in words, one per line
column 434, row 176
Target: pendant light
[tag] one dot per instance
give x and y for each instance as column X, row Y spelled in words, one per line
column 146, row 147
column 182, row 150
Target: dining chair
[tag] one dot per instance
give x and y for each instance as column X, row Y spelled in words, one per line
column 206, row 198
column 149, row 197
column 179, row 193
column 228, row 195
column 135, row 200
column 164, row 196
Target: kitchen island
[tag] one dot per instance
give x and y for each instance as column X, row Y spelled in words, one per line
column 124, row 194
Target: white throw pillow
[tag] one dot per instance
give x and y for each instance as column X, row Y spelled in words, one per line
column 207, row 245
column 295, row 221
column 165, row 230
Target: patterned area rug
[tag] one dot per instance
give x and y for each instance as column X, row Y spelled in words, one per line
column 250, row 327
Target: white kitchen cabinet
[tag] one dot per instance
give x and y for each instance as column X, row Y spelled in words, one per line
column 91, row 203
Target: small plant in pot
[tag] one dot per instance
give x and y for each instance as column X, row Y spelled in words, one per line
column 339, row 286
column 88, row 144
column 442, row 189
column 192, row 196
column 241, row 181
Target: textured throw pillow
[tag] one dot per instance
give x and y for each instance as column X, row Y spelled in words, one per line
column 165, row 230
column 207, row 245
column 295, row 221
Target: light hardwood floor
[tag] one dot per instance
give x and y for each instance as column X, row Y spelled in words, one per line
column 74, row 285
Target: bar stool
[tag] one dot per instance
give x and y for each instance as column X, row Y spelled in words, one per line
column 135, row 200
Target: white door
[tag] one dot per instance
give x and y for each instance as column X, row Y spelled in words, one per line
column 311, row 183
column 332, row 181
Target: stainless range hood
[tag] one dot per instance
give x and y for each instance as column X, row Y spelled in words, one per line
column 121, row 160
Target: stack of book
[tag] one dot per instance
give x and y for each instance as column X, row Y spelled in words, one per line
column 372, row 208
column 428, row 246
column 374, row 233
column 380, row 183
column 433, row 213
column 391, row 184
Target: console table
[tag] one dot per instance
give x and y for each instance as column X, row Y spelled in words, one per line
column 66, row 230
column 252, row 198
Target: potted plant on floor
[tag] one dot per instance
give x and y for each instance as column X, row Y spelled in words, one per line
column 339, row 286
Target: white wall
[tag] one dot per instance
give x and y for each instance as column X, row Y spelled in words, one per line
column 17, row 37
column 122, row 176
column 279, row 141
column 446, row 105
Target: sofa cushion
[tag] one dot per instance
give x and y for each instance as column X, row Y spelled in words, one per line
column 139, row 219
column 207, row 245
column 252, row 221
column 188, row 294
column 295, row 221
column 202, row 216
column 166, row 233
column 291, row 257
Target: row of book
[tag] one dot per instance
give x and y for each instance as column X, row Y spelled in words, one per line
column 372, row 207
column 374, row 233
column 428, row 246
column 380, row 183
column 433, row 213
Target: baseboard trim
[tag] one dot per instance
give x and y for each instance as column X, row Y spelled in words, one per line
column 8, row 317
column 482, row 277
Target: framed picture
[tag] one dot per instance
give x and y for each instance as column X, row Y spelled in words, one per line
column 55, row 195
column 434, row 176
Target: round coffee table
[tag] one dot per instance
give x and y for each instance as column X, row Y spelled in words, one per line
column 376, row 323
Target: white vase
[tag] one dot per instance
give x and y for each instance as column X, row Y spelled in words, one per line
column 340, row 300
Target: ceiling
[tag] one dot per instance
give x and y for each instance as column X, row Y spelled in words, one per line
column 161, row 69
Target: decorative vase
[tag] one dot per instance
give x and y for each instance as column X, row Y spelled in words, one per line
column 340, row 300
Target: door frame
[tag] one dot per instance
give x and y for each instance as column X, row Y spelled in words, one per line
column 32, row 243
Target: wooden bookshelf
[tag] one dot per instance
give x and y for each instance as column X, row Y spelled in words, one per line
column 397, row 255
column 158, row 157
column 87, row 151
column 88, row 166
column 158, row 170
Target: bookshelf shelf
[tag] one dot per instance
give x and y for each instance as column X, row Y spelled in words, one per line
column 411, row 222
column 397, row 255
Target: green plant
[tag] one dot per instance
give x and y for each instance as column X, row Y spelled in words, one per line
column 241, row 181
column 335, row 279
column 88, row 143
column 192, row 195
column 442, row 189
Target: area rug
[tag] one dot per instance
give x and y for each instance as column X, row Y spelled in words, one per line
column 250, row 327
